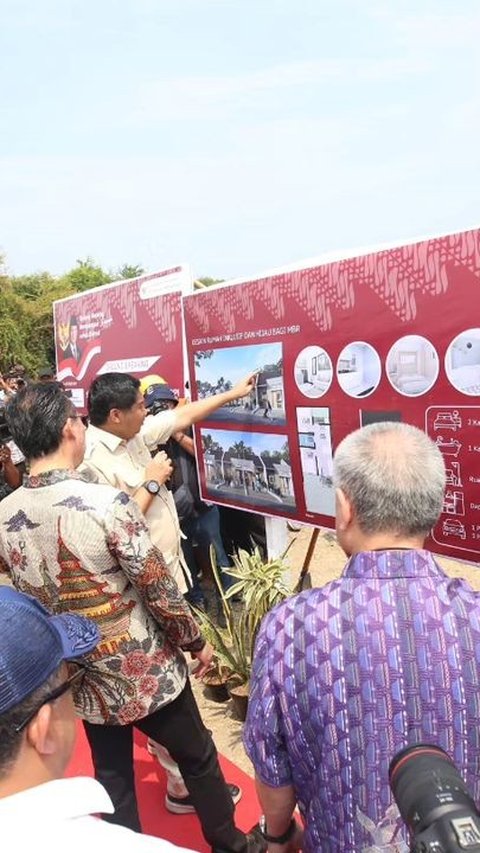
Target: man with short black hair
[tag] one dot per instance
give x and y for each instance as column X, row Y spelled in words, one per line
column 119, row 445
column 72, row 349
column 388, row 655
column 82, row 547
column 42, row 660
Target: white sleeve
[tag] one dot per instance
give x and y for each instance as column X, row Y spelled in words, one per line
column 123, row 840
column 157, row 429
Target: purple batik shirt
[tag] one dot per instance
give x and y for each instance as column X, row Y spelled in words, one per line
column 346, row 675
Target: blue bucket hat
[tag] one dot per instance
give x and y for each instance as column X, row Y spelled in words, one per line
column 33, row 644
column 156, row 393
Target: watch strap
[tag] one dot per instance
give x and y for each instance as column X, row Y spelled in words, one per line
column 279, row 839
column 148, row 486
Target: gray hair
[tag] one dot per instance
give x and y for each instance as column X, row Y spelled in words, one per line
column 394, row 475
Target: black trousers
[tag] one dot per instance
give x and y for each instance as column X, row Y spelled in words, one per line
column 179, row 727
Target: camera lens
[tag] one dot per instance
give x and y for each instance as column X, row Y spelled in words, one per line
column 427, row 786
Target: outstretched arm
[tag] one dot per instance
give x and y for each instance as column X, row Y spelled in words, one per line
column 190, row 413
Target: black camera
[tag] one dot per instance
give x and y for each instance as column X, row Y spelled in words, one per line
column 434, row 802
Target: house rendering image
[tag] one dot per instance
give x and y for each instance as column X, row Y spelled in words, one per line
column 255, row 471
column 218, row 370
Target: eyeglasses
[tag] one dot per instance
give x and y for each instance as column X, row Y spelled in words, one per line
column 72, row 417
column 75, row 679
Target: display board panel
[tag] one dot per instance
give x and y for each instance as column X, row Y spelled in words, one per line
column 132, row 326
column 386, row 335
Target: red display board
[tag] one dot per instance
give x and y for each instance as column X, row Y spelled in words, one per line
column 132, row 326
column 389, row 335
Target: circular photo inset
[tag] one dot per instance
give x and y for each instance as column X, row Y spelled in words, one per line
column 359, row 369
column 313, row 371
column 462, row 362
column 412, row 365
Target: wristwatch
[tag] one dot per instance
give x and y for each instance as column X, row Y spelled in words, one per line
column 151, row 486
column 277, row 839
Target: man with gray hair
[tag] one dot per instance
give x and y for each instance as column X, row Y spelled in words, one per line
column 386, row 656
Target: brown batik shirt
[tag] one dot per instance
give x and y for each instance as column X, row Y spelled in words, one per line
column 83, row 547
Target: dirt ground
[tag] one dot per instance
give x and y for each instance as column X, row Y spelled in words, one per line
column 327, row 564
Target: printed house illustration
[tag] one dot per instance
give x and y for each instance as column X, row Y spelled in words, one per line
column 253, row 474
column 268, row 393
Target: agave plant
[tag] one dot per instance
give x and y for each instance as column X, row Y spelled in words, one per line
column 261, row 585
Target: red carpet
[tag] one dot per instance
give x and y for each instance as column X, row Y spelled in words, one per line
column 183, row 830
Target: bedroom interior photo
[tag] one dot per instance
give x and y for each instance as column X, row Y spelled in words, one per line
column 412, row 365
column 462, row 362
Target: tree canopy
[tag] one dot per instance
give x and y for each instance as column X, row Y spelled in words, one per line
column 26, row 327
column 26, row 324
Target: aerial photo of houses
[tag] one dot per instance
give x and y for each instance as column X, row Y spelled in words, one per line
column 218, row 370
column 248, row 468
column 316, row 456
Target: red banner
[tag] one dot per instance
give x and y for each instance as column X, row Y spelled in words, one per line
column 390, row 335
column 132, row 326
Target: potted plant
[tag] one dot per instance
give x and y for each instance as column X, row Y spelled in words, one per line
column 216, row 679
column 261, row 585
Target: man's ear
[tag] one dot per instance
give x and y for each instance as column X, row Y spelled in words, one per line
column 40, row 731
column 343, row 510
column 114, row 416
column 68, row 430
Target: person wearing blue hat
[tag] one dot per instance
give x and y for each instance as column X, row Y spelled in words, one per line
column 199, row 520
column 43, row 658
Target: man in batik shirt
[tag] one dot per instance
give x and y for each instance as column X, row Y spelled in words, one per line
column 83, row 547
column 386, row 656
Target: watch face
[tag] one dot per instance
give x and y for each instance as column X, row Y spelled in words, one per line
column 153, row 487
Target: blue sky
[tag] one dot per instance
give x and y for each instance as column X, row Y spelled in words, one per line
column 237, row 135
column 234, row 363
column 256, row 440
